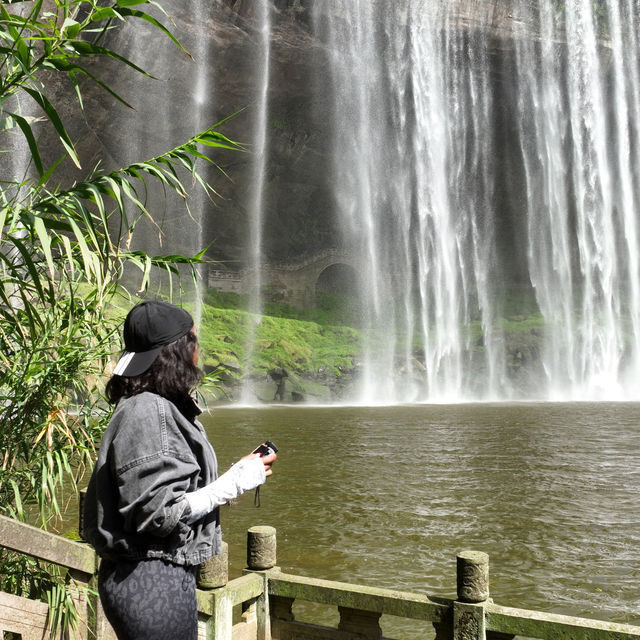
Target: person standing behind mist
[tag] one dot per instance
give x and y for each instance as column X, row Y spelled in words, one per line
column 152, row 504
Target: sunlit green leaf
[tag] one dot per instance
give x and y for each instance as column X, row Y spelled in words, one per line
column 53, row 116
column 31, row 141
column 130, row 3
column 45, row 243
column 71, row 28
column 149, row 18
column 105, row 13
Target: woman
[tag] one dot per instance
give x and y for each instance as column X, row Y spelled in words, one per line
column 151, row 508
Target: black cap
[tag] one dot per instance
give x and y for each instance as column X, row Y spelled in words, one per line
column 147, row 328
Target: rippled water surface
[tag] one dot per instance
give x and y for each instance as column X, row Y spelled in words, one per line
column 386, row 496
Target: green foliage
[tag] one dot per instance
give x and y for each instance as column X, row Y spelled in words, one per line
column 305, row 341
column 331, row 308
column 295, row 344
column 62, row 255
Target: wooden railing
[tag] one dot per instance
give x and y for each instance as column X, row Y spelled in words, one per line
column 258, row 605
column 28, row 619
column 266, row 596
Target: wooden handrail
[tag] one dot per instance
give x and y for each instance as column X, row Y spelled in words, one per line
column 539, row 624
column 387, row 601
column 35, row 542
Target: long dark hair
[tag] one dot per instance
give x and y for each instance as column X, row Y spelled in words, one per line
column 173, row 375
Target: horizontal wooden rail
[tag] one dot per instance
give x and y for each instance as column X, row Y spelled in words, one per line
column 364, row 598
column 505, row 620
column 235, row 592
column 24, row 618
column 35, row 542
column 538, row 624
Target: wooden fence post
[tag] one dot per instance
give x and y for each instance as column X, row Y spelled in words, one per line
column 212, row 575
column 261, row 548
column 99, row 627
column 222, row 619
column 261, row 556
column 473, row 592
column 214, row 572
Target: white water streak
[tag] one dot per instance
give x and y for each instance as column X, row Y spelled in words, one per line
column 203, row 97
column 256, row 202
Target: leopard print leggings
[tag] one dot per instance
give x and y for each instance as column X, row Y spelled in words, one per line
column 149, row 600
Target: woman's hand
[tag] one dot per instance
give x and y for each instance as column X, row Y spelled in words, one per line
column 266, row 460
column 239, row 479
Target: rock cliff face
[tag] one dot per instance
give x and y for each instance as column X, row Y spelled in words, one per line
column 224, row 39
column 188, row 95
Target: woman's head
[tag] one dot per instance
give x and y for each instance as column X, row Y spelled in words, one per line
column 160, row 354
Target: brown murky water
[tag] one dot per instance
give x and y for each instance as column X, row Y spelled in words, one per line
column 386, row 496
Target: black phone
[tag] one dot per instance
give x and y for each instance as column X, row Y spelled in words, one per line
column 266, row 448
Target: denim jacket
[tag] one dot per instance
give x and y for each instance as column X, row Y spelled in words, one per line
column 150, row 456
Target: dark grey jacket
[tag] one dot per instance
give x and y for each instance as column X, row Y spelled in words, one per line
column 150, row 456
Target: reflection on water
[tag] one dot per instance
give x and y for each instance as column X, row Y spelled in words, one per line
column 386, row 496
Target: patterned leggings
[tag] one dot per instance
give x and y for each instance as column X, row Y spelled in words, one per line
column 149, row 600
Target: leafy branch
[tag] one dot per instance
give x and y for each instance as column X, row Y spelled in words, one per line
column 63, row 254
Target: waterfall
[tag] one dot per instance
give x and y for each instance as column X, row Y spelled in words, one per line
column 423, row 150
column 578, row 103
column 474, row 162
column 255, row 205
column 203, row 96
column 414, row 182
column 167, row 111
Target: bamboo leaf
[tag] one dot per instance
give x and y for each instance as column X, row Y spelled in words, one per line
column 112, row 182
column 215, row 139
column 71, row 27
column 130, row 192
column 76, row 87
column 96, row 197
column 130, row 3
column 84, row 48
column 45, row 243
column 52, row 206
column 61, row 64
column 200, row 255
column 104, row 13
column 45, row 176
column 3, row 218
column 67, row 247
column 53, row 116
column 31, row 141
column 84, row 249
column 30, row 267
column 89, row 227
column 19, row 46
column 146, row 273
column 145, row 16
column 17, row 499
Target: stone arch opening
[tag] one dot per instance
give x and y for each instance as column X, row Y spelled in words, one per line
column 337, row 291
column 338, row 278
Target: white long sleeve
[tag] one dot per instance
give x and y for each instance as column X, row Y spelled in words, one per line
column 243, row 476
